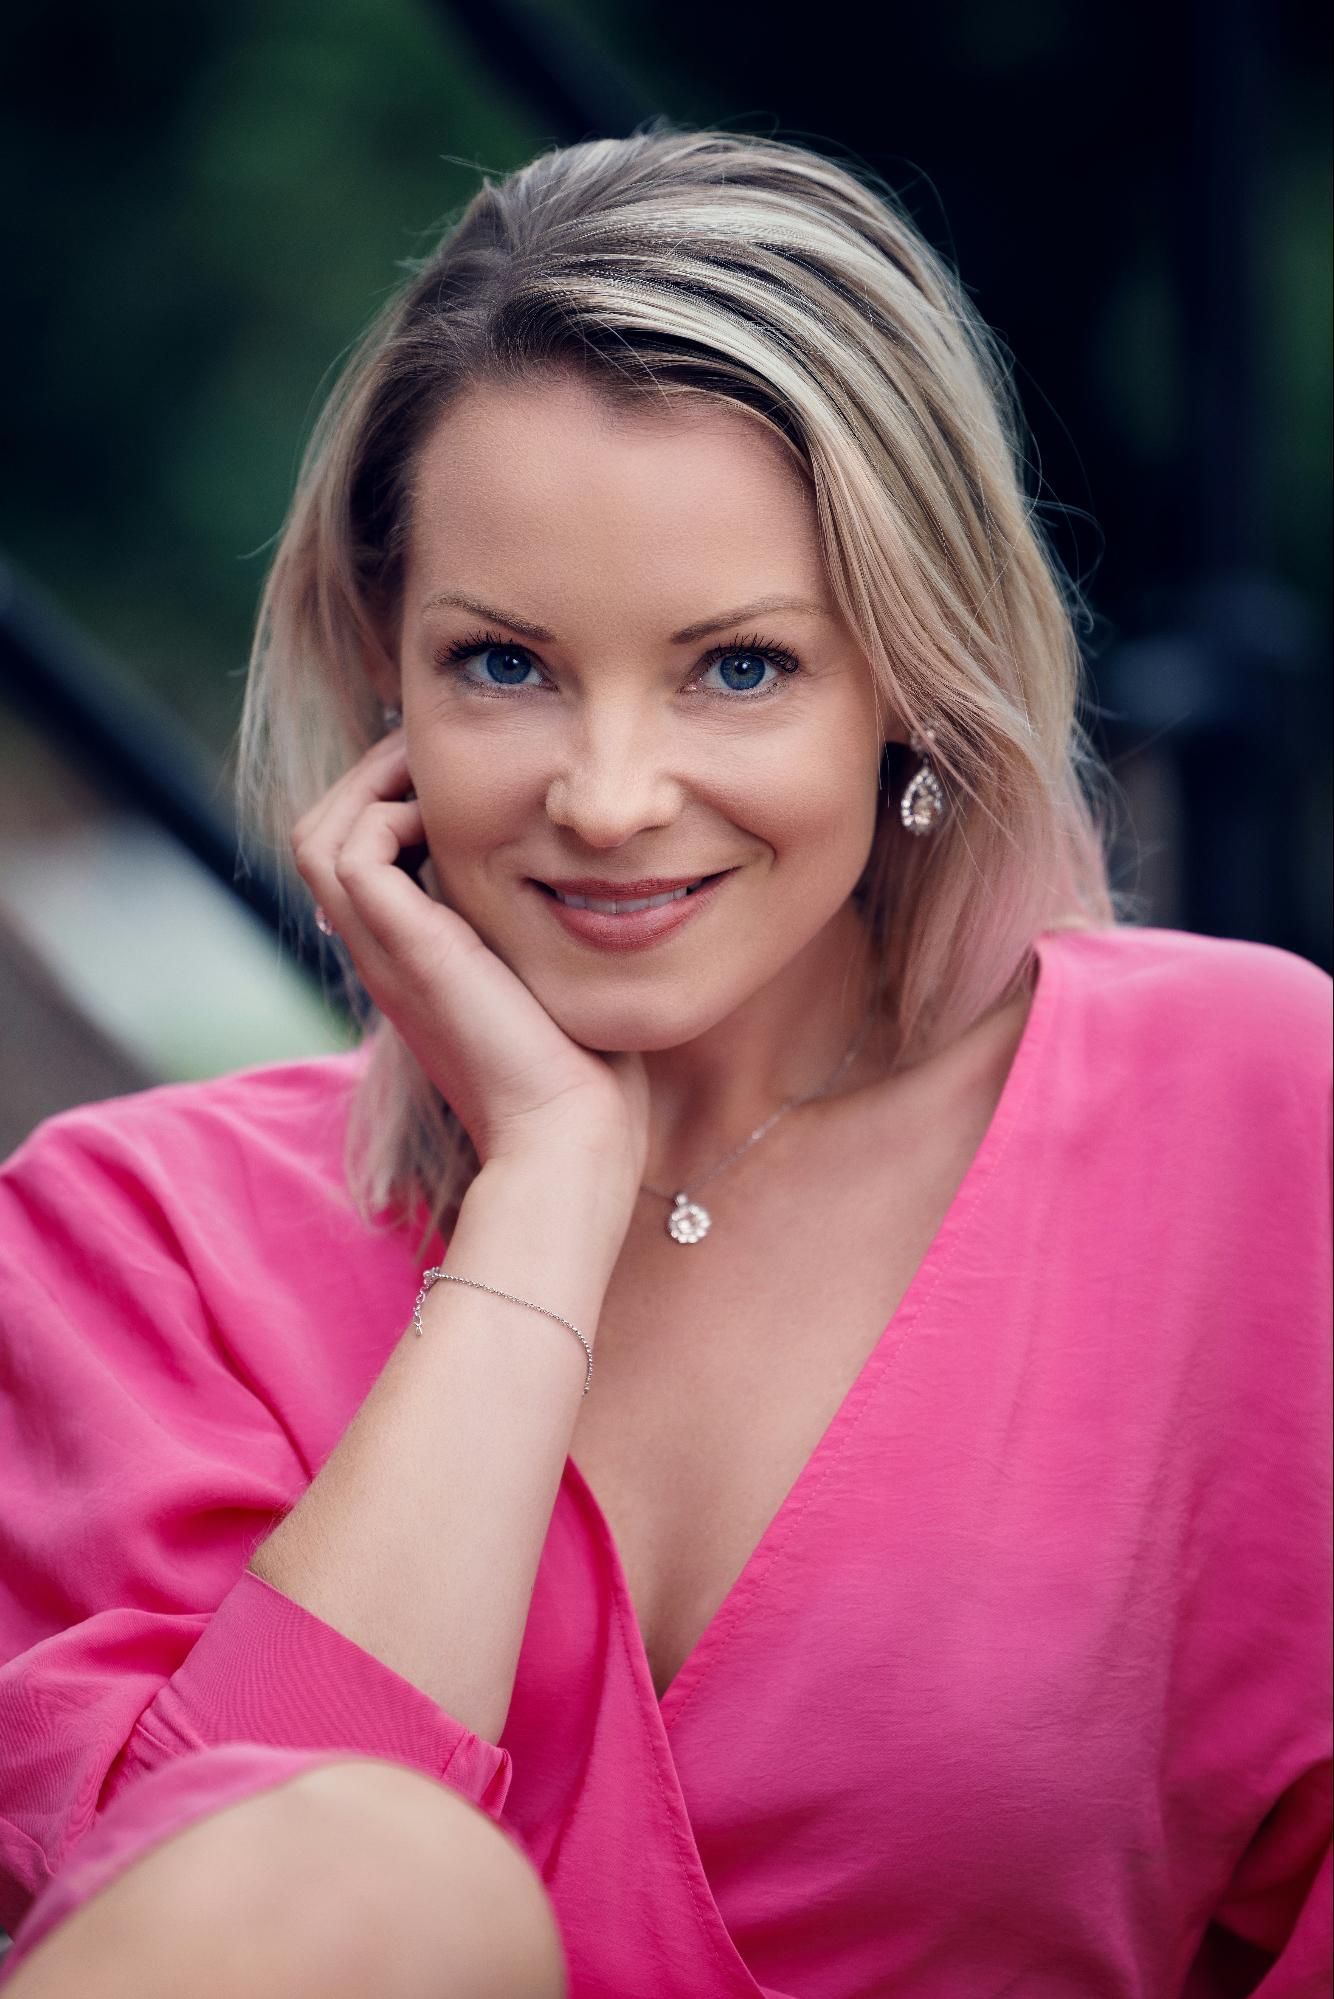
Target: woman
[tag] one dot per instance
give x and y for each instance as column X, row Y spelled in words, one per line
column 764, row 1434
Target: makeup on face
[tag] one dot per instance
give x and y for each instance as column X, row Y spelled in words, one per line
column 632, row 922
column 624, row 680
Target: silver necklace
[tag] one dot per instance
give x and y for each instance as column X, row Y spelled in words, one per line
column 688, row 1221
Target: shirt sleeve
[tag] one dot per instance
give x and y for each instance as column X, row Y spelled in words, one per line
column 1270, row 1937
column 147, row 1676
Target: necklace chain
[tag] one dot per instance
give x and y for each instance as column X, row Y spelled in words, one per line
column 792, row 1103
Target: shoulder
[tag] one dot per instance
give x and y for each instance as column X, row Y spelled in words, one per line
column 262, row 1123
column 179, row 1221
column 1183, row 970
column 1221, row 996
column 1219, row 1040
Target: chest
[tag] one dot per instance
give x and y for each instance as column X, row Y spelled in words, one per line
column 721, row 1365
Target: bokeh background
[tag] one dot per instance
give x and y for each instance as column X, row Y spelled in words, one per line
column 207, row 203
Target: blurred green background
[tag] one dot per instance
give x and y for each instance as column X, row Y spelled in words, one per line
column 208, row 203
column 214, row 200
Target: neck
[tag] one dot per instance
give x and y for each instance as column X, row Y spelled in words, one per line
column 784, row 1041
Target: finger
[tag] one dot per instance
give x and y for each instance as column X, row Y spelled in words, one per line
column 319, row 833
column 374, row 841
column 363, row 778
column 378, row 836
column 380, row 773
column 380, row 912
column 393, row 910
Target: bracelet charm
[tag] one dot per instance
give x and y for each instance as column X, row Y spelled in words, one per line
column 431, row 1277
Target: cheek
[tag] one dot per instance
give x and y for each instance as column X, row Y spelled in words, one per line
column 815, row 812
column 822, row 826
column 468, row 805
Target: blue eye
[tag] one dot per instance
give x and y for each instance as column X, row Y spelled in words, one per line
column 501, row 665
column 743, row 672
column 742, row 664
column 743, row 668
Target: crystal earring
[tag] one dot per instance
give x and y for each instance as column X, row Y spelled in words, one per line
column 922, row 806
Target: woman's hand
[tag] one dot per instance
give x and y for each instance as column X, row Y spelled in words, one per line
column 517, row 1082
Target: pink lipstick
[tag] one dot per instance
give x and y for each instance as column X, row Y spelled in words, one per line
column 630, row 929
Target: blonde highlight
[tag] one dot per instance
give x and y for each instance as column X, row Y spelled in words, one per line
column 703, row 263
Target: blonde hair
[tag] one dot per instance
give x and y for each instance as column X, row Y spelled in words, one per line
column 753, row 271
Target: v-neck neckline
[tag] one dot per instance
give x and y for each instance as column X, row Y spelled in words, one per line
column 995, row 1140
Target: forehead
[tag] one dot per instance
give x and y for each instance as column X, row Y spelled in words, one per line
column 553, row 472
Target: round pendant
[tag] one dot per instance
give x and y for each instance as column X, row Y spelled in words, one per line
column 688, row 1222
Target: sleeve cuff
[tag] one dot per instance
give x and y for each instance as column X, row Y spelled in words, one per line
column 268, row 1691
column 267, row 1670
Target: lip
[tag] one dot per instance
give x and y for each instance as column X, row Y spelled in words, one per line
column 642, row 927
column 609, row 891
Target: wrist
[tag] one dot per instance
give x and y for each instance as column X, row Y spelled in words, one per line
column 569, row 1204
column 593, row 1155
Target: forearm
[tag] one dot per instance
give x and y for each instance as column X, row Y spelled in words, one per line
column 419, row 1538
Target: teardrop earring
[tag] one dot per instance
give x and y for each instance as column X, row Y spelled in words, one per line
column 922, row 806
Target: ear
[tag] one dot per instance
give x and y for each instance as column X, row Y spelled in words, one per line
column 386, row 684
column 382, row 672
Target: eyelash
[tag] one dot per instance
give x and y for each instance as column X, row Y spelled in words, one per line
column 456, row 656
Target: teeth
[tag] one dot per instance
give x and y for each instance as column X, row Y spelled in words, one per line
column 624, row 908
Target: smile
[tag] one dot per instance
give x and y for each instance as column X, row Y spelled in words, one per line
column 605, row 908
column 630, row 923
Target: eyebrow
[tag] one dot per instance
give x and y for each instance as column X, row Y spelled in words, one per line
column 686, row 636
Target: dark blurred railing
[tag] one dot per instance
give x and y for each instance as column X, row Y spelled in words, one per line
column 133, row 751
column 1217, row 682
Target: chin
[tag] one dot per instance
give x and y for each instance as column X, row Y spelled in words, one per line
column 641, row 1027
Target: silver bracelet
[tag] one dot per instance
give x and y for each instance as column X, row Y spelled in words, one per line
column 431, row 1277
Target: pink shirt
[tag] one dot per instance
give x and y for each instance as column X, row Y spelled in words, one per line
column 1024, row 1690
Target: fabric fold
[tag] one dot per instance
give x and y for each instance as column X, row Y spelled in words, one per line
column 1024, row 1687
column 266, row 1669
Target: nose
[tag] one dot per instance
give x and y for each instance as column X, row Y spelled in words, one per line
column 610, row 782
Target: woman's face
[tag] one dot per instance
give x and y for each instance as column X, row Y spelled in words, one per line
column 649, row 681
